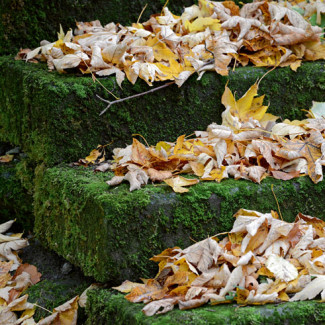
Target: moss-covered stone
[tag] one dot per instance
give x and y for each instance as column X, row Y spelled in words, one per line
column 15, row 201
column 26, row 23
column 60, row 281
column 108, row 307
column 111, row 233
column 55, row 117
column 50, row 294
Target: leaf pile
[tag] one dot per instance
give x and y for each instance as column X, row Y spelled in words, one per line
column 313, row 11
column 262, row 260
column 248, row 145
column 169, row 47
column 14, row 307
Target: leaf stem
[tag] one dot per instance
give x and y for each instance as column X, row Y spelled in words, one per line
column 36, row 305
column 142, row 11
column 96, row 79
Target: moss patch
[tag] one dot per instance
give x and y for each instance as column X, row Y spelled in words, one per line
column 26, row 23
column 51, row 294
column 111, row 233
column 60, row 281
column 15, row 202
column 55, row 118
column 108, row 307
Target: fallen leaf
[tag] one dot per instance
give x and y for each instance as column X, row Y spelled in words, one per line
column 179, row 182
column 65, row 314
column 282, row 269
column 159, row 307
column 159, row 175
column 35, row 276
column 6, row 158
column 311, row 290
column 83, row 297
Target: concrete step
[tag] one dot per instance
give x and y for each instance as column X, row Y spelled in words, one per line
column 55, row 118
column 108, row 307
column 111, row 233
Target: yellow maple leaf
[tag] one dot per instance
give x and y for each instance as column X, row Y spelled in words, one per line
column 160, row 50
column 171, row 71
column 245, row 108
column 206, row 7
column 202, row 23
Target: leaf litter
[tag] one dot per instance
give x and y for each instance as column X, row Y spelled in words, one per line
column 261, row 260
column 210, row 36
column 16, row 278
column 249, row 144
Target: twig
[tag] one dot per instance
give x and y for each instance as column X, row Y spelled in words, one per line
column 110, row 103
column 205, row 46
column 276, row 200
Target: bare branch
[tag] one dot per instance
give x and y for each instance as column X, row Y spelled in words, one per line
column 110, row 103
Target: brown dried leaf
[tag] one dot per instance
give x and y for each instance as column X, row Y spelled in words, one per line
column 159, row 175
column 35, row 276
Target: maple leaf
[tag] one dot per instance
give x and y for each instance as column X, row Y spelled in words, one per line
column 318, row 110
column 65, row 314
column 224, row 276
column 160, row 50
column 159, row 175
column 281, row 268
column 96, row 155
column 201, row 23
column 151, row 290
column 179, row 182
column 159, row 307
column 317, row 224
column 308, row 149
column 311, row 290
column 35, row 276
column 127, row 286
column 140, row 154
column 245, row 108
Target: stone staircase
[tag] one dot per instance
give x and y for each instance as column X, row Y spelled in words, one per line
column 111, row 233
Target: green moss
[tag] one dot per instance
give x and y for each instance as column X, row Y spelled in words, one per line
column 50, row 294
column 15, row 202
column 55, row 118
column 26, row 23
column 109, row 307
column 111, row 233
